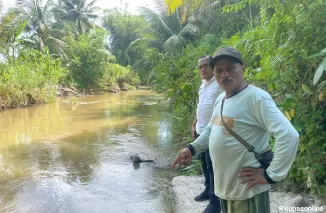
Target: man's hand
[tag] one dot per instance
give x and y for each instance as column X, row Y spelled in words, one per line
column 252, row 176
column 183, row 158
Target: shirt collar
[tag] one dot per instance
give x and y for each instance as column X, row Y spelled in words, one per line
column 205, row 82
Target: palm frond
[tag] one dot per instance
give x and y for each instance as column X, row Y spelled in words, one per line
column 68, row 4
column 92, row 3
column 139, row 65
column 25, row 3
column 26, row 41
column 160, row 7
column 79, row 13
column 174, row 42
column 144, row 43
column 190, row 31
column 90, row 15
column 93, row 9
column 140, row 43
column 81, row 4
column 48, row 5
column 58, row 9
column 57, row 41
column 157, row 22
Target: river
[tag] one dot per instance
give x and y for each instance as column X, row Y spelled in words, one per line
column 66, row 157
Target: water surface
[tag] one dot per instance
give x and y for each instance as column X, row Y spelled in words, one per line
column 64, row 157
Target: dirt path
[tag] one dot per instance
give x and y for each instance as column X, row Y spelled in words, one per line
column 185, row 188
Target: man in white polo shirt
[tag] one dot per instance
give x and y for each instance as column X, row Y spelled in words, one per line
column 208, row 92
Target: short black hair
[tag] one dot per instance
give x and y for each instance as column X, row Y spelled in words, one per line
column 208, row 57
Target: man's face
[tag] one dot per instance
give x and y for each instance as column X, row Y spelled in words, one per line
column 206, row 72
column 229, row 75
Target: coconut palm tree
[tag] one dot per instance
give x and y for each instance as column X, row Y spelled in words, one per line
column 168, row 35
column 40, row 26
column 124, row 29
column 172, row 31
column 81, row 14
column 209, row 15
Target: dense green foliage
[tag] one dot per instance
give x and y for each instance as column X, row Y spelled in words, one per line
column 124, row 30
column 88, row 59
column 91, row 66
column 10, row 28
column 42, row 39
column 30, row 78
column 140, row 40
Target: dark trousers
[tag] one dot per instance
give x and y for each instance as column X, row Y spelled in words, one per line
column 208, row 173
column 257, row 204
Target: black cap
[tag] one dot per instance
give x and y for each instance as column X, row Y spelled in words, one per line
column 226, row 52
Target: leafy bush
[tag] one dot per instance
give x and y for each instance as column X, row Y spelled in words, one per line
column 88, row 59
column 91, row 66
column 116, row 75
column 30, row 78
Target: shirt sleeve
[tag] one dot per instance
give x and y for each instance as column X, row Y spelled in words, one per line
column 201, row 144
column 286, row 137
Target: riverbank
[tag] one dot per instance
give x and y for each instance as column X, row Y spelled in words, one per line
column 60, row 91
column 30, row 99
column 185, row 188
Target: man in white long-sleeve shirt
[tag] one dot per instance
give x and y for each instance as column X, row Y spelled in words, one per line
column 208, row 92
column 250, row 112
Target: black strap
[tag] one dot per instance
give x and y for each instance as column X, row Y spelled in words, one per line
column 268, row 179
column 235, row 135
column 191, row 148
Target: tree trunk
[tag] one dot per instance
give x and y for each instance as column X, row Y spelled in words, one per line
column 80, row 27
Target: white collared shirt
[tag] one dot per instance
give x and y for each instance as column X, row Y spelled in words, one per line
column 208, row 92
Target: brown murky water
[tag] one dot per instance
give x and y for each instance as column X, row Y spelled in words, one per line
column 65, row 158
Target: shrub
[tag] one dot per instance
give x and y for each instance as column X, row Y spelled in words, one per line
column 30, row 78
column 88, row 59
